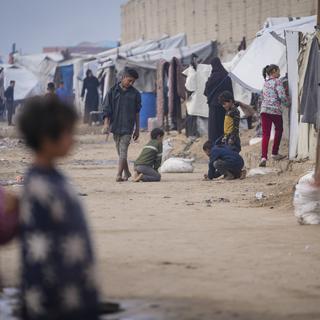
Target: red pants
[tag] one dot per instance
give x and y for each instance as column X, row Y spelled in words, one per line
column 266, row 123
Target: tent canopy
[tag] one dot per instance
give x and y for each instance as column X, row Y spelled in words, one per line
column 27, row 84
column 269, row 47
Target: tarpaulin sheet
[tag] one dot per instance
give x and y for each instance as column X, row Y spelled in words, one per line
column 27, row 84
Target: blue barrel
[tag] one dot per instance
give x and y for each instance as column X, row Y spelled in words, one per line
column 149, row 109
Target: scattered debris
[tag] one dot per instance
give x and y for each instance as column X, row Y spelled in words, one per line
column 260, row 196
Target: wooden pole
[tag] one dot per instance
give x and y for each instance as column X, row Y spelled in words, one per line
column 317, row 169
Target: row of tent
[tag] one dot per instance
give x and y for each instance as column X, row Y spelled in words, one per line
column 287, row 42
column 33, row 72
column 282, row 41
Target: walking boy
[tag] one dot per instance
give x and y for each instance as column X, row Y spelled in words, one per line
column 57, row 255
column 223, row 161
column 147, row 165
column 231, row 121
column 121, row 111
column 9, row 95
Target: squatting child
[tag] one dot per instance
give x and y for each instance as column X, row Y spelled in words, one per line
column 149, row 161
column 223, row 162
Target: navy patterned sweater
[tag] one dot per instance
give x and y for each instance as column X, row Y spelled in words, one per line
column 58, row 275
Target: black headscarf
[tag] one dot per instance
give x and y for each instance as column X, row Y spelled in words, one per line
column 218, row 82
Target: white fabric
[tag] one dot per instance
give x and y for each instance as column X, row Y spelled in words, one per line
column 136, row 48
column 292, row 41
column 305, row 24
column 240, row 93
column 167, row 148
column 27, row 84
column 150, row 59
column 196, row 82
column 303, row 140
column 267, row 48
column 264, row 50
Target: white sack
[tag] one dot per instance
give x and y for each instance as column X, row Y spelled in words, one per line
column 167, row 148
column 307, row 200
column 177, row 165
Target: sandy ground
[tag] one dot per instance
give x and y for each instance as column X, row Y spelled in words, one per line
column 186, row 248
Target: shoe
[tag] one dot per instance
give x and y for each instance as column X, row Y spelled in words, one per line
column 229, row 176
column 263, row 163
column 278, row 157
column 243, row 174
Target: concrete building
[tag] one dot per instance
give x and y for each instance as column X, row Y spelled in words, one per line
column 226, row 21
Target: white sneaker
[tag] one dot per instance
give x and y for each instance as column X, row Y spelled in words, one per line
column 278, row 157
column 263, row 163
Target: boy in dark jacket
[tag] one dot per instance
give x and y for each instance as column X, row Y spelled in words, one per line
column 223, row 161
column 231, row 121
column 147, row 165
column 121, row 113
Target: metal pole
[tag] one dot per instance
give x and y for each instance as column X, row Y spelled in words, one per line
column 317, row 169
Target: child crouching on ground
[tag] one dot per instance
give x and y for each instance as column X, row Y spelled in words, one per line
column 231, row 121
column 223, row 161
column 147, row 165
column 57, row 255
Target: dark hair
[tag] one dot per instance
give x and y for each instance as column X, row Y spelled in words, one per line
column 12, row 82
column 267, row 70
column 88, row 72
column 207, row 145
column 45, row 117
column 51, row 86
column 226, row 96
column 129, row 72
column 155, row 133
column 61, row 82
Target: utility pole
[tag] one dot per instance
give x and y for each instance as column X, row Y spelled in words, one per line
column 317, row 169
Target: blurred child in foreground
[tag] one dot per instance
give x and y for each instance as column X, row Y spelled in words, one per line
column 57, row 256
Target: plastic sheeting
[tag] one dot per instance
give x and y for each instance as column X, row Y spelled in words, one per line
column 292, row 40
column 264, row 50
column 146, row 64
column 197, row 104
column 267, row 48
column 27, row 84
column 136, row 48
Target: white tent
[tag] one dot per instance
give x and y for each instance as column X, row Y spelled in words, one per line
column 27, row 84
column 141, row 47
column 269, row 47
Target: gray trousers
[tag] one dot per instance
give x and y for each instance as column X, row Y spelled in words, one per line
column 223, row 168
column 149, row 174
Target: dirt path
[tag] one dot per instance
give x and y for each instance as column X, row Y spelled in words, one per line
column 188, row 249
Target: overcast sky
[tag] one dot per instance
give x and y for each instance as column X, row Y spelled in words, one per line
column 33, row 24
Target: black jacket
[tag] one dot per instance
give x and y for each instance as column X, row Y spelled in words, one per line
column 9, row 94
column 121, row 107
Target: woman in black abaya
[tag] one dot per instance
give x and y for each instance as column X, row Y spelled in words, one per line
column 218, row 82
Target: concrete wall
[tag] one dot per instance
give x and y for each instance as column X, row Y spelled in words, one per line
column 226, row 21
